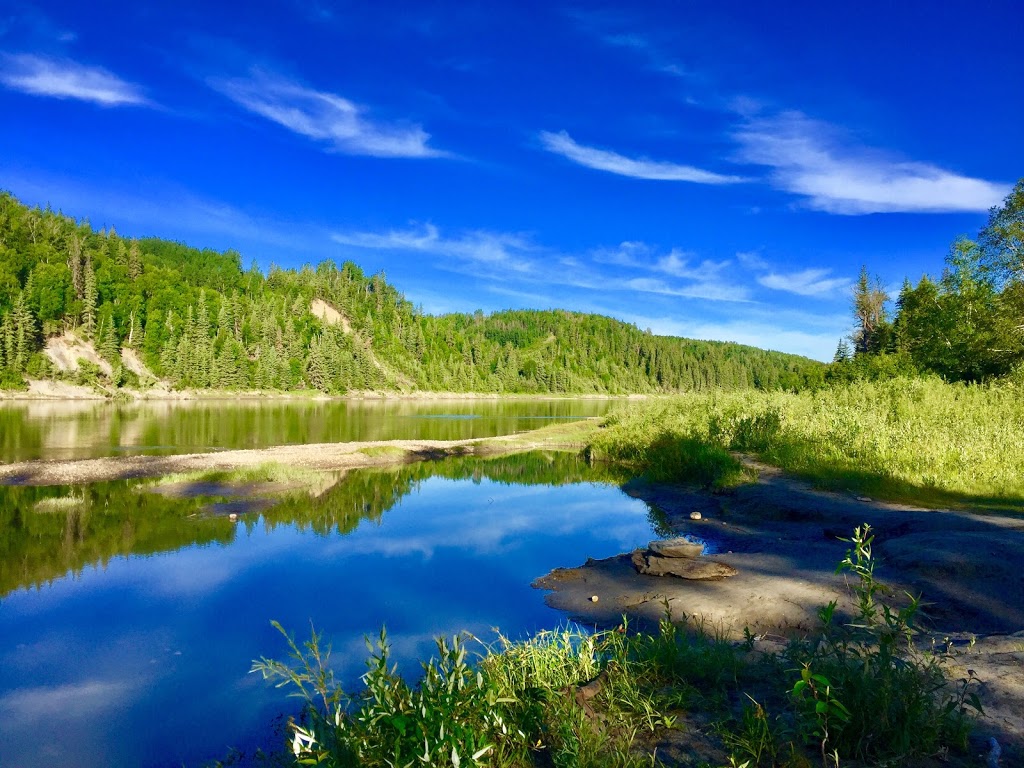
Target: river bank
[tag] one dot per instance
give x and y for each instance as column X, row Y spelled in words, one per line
column 48, row 390
column 781, row 536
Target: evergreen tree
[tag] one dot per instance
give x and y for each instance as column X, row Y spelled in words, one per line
column 89, row 296
column 869, row 300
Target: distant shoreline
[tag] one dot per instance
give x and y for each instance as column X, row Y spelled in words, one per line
column 43, row 390
column 322, row 456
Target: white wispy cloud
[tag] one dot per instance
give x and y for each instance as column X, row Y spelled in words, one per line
column 807, row 282
column 810, row 158
column 708, row 291
column 66, row 79
column 323, row 116
column 562, row 143
column 675, row 263
column 765, row 334
column 509, row 251
column 500, row 256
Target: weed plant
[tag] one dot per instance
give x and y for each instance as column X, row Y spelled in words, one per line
column 866, row 689
column 563, row 698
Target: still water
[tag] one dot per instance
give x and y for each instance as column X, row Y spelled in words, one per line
column 80, row 430
column 129, row 619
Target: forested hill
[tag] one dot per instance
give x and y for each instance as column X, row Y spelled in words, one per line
column 197, row 319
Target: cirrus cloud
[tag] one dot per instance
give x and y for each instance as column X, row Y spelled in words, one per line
column 807, row 282
column 324, row 116
column 562, row 143
column 809, row 158
column 66, row 79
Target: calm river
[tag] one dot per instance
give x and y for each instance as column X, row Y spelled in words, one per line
column 129, row 618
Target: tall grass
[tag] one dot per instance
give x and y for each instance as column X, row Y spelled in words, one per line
column 561, row 698
column 904, row 437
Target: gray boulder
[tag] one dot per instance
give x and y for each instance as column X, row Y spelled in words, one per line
column 694, row 568
column 677, row 547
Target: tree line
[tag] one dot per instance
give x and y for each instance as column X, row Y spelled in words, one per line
column 965, row 325
column 198, row 319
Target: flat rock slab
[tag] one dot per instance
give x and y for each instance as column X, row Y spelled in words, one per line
column 694, row 568
column 680, row 546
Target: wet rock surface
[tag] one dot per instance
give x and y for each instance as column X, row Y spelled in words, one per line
column 695, row 568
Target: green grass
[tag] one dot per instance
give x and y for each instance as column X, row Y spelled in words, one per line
column 383, row 451
column 920, row 439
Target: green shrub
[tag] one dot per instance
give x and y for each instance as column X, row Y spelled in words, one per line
column 867, row 691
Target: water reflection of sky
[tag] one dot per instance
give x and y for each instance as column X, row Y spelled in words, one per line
column 145, row 661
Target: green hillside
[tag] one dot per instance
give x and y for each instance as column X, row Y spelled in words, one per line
column 199, row 320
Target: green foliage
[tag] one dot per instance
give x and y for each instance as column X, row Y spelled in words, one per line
column 965, row 326
column 565, row 698
column 936, row 442
column 866, row 690
column 199, row 321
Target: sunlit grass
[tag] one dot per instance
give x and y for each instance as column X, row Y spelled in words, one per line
column 919, row 438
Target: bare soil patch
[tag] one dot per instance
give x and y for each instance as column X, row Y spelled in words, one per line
column 66, row 352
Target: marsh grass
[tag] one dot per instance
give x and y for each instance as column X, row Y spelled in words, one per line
column 383, row 452
column 919, row 439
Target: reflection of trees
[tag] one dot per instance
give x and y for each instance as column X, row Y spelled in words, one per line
column 58, row 430
column 48, row 532
column 369, row 493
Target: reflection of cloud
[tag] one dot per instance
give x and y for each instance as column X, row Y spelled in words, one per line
column 809, row 159
column 506, row 522
column 562, row 143
column 53, row 704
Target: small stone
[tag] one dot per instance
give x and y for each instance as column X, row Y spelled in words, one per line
column 695, row 515
column 594, row 598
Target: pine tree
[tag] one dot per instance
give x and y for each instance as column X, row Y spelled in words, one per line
column 89, row 296
column 24, row 333
column 108, row 346
column 134, row 261
column 869, row 299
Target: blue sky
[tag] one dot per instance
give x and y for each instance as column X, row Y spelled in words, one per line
column 713, row 170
